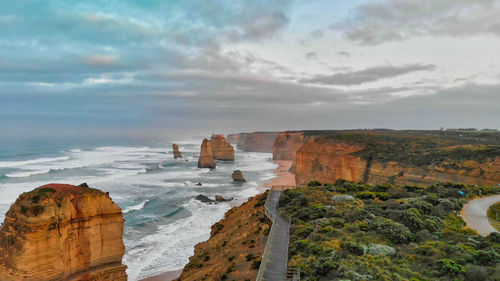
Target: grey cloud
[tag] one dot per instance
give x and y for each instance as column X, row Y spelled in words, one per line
column 311, row 55
column 344, row 54
column 395, row 20
column 367, row 75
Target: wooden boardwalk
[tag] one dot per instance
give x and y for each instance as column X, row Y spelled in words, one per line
column 275, row 257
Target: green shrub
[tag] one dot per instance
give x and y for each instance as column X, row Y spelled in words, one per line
column 323, row 266
column 255, row 264
column 412, row 219
column 394, row 231
column 365, row 195
column 383, row 195
column 450, row 267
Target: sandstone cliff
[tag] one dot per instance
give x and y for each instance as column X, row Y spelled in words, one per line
column 287, row 143
column 177, row 153
column 254, row 142
column 236, row 242
column 328, row 159
column 221, row 148
column 62, row 232
column 206, row 159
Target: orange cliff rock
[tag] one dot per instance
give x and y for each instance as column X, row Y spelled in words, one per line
column 177, row 153
column 221, row 148
column 62, row 232
column 327, row 160
column 206, row 159
column 287, row 143
column 254, row 142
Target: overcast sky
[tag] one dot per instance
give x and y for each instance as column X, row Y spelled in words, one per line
column 158, row 68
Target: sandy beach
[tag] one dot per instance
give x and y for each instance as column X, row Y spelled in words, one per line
column 284, row 177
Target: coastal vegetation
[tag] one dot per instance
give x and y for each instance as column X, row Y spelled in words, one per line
column 351, row 231
column 494, row 216
column 418, row 150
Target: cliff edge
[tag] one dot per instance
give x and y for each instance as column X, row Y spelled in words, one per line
column 62, row 232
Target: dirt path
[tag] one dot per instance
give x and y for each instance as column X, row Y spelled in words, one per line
column 475, row 214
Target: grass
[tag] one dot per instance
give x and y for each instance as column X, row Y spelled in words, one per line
column 492, row 216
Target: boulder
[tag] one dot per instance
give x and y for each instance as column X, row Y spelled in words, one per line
column 199, row 184
column 221, row 148
column 219, row 198
column 58, row 232
column 206, row 159
column 177, row 153
column 238, row 176
column 204, row 199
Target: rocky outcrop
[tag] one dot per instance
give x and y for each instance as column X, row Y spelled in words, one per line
column 221, row 148
column 254, row 142
column 177, row 153
column 327, row 160
column 287, row 143
column 62, row 232
column 206, row 159
column 238, row 176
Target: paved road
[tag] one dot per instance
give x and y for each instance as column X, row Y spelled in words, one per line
column 276, row 260
column 475, row 214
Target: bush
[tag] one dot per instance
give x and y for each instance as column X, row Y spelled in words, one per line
column 323, row 266
column 255, row 264
column 394, row 231
column 356, row 248
column 477, row 273
column 450, row 267
column 379, row 249
column 365, row 195
column 383, row 195
column 342, row 198
column 412, row 219
column 486, row 257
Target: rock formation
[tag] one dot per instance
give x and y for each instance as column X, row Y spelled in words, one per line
column 206, row 159
column 254, row 142
column 62, row 232
column 327, row 159
column 287, row 143
column 177, row 153
column 221, row 148
column 238, row 176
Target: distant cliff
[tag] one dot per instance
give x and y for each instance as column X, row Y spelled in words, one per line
column 286, row 145
column 396, row 158
column 254, row 142
column 62, row 232
column 221, row 148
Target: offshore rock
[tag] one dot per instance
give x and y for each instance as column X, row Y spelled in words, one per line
column 62, row 232
column 220, row 198
column 221, row 148
column 206, row 159
column 238, row 176
column 177, row 153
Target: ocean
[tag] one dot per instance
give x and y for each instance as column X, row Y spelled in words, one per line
column 163, row 221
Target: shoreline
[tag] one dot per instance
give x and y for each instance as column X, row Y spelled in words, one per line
column 283, row 177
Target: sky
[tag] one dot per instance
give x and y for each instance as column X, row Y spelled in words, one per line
column 190, row 67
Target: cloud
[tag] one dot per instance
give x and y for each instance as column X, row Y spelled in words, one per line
column 344, row 54
column 311, row 55
column 367, row 75
column 396, row 20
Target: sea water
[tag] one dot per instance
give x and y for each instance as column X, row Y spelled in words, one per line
column 163, row 221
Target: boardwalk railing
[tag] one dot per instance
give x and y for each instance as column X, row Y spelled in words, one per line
column 291, row 273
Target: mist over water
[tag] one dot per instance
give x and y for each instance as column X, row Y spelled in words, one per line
column 163, row 222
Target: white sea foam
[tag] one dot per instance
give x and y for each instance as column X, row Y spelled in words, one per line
column 135, row 207
column 26, row 174
column 9, row 164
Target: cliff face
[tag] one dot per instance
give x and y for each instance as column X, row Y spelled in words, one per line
column 62, row 232
column 327, row 160
column 235, row 242
column 206, row 159
column 287, row 143
column 221, row 148
column 177, row 153
column 254, row 142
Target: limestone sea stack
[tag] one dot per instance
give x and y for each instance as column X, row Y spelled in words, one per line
column 62, row 232
column 221, row 148
column 177, row 153
column 206, row 159
column 238, row 176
